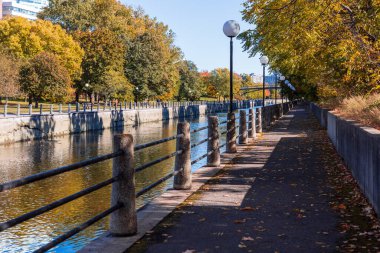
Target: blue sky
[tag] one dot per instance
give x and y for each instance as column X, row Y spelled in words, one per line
column 198, row 26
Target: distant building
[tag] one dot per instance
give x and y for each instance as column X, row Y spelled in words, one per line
column 271, row 80
column 23, row 8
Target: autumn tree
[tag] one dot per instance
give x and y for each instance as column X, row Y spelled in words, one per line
column 43, row 77
column 9, row 67
column 330, row 47
column 220, row 80
column 25, row 39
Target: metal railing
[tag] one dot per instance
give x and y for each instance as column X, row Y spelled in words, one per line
column 19, row 109
column 123, row 212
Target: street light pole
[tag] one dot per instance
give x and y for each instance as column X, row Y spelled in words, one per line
column 264, row 60
column 275, row 90
column 231, row 74
column 231, row 29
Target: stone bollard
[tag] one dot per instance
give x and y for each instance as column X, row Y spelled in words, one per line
column 231, row 134
column 123, row 222
column 18, row 110
column 41, row 112
column 182, row 167
column 30, row 109
column 243, row 134
column 60, row 108
column 252, row 124
column 51, row 109
column 260, row 120
column 213, row 160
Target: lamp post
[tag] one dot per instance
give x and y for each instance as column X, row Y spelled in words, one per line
column 231, row 29
column 282, row 78
column 264, row 60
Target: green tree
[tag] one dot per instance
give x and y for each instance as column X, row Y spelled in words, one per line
column 152, row 64
column 190, row 86
column 43, row 77
column 104, row 58
column 25, row 39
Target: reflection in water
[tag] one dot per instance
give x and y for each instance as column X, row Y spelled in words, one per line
column 23, row 159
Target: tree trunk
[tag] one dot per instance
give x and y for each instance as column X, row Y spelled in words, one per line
column 36, row 103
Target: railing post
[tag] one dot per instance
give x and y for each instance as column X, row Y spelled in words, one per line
column 84, row 107
column 243, row 134
column 41, row 109
column 77, row 107
column 123, row 222
column 18, row 110
column 252, row 123
column 231, row 133
column 182, row 169
column 213, row 160
column 69, row 108
column 51, row 109
column 260, row 120
column 5, row 109
column 60, row 108
column 98, row 107
column 30, row 109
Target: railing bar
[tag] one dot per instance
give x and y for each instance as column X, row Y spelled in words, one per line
column 202, row 157
column 55, row 204
column 199, row 129
column 78, row 229
column 199, row 143
column 153, row 143
column 148, row 188
column 56, row 171
column 149, row 164
column 223, row 122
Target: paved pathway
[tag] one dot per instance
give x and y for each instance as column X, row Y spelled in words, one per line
column 273, row 198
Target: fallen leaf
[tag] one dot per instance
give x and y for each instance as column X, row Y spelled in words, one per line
column 248, row 238
column 239, row 221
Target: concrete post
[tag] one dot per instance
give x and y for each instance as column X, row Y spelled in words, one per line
column 213, row 160
column 18, row 109
column 60, row 108
column 252, row 124
column 51, row 109
column 243, row 134
column 231, row 133
column 182, row 168
column 69, row 108
column 260, row 120
column 123, row 222
column 41, row 109
column 30, row 109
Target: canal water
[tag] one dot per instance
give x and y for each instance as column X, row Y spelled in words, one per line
column 23, row 159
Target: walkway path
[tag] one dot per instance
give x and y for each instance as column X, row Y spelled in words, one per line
column 273, row 198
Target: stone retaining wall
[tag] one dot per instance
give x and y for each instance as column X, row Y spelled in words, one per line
column 22, row 128
column 359, row 146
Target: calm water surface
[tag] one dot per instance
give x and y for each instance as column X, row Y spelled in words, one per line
column 24, row 159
